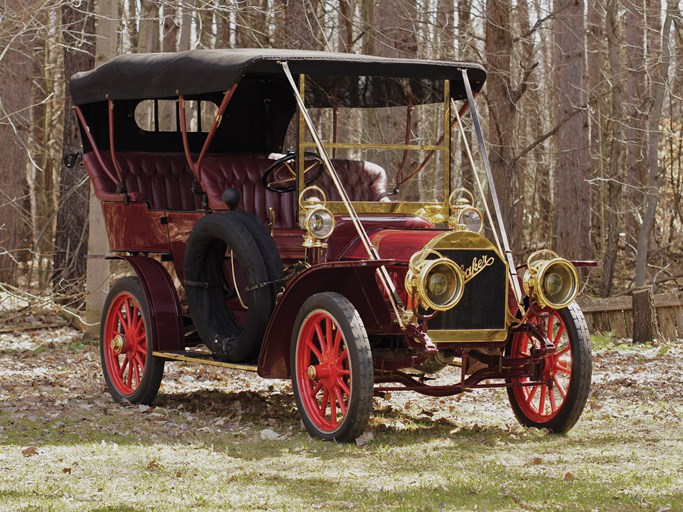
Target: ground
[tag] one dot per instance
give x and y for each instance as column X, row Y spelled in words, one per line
column 227, row 440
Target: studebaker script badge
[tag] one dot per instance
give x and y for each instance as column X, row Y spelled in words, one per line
column 478, row 264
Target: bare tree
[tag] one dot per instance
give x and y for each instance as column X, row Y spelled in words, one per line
column 644, row 316
column 615, row 174
column 502, row 98
column 572, row 167
column 15, row 101
column 78, row 25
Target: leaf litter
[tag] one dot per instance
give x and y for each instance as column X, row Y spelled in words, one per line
column 57, row 421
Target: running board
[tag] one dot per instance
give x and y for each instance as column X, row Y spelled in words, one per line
column 174, row 356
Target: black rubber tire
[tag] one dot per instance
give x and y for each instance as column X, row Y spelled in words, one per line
column 148, row 387
column 359, row 365
column 204, row 254
column 581, row 373
column 268, row 249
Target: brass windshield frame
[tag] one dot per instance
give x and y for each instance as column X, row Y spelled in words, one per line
column 372, row 207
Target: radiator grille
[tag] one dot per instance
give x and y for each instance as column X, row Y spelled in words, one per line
column 483, row 304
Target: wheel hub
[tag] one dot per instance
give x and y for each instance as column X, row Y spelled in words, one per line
column 118, row 344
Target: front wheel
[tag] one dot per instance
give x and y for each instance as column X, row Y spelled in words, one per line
column 558, row 401
column 130, row 370
column 331, row 366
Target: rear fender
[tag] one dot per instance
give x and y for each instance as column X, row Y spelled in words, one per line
column 162, row 298
column 356, row 280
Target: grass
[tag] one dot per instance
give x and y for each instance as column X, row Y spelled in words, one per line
column 200, row 447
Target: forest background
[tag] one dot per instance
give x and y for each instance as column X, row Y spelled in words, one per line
column 582, row 110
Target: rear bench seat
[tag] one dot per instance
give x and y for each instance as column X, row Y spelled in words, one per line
column 164, row 180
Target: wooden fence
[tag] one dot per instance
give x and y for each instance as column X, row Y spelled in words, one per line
column 616, row 314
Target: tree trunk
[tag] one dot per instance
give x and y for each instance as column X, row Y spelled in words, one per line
column 184, row 41
column 635, row 128
column 169, row 41
column 148, row 38
column 646, row 331
column 97, row 276
column 645, row 326
column 302, row 30
column 15, row 100
column 465, row 40
column 501, row 100
column 615, row 173
column 598, row 97
column 72, row 227
column 572, row 170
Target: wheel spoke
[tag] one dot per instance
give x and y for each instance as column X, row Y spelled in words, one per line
column 563, row 351
column 531, row 395
column 316, row 389
column 311, row 346
column 130, row 305
column 328, row 331
column 560, row 332
column 139, row 327
column 136, row 372
column 122, row 321
column 323, row 403
column 340, row 400
column 553, row 405
column 561, row 368
column 333, row 409
column 560, row 387
column 122, row 368
column 321, row 338
column 343, row 386
column 541, row 401
column 343, row 357
column 551, row 321
column 337, row 341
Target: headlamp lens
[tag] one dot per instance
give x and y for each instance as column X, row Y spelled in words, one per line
column 320, row 223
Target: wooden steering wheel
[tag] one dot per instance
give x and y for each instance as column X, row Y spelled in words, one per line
column 280, row 176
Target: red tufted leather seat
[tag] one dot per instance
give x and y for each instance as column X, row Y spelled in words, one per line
column 243, row 173
column 164, row 180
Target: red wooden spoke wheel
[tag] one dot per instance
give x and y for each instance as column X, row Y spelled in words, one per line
column 331, row 364
column 557, row 401
column 126, row 345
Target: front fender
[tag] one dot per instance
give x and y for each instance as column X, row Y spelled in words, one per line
column 162, row 298
column 356, row 280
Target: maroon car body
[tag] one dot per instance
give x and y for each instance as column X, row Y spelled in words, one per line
column 301, row 214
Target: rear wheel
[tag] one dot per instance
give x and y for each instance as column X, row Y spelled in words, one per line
column 126, row 343
column 331, row 366
column 557, row 403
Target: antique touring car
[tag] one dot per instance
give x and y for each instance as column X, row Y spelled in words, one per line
column 301, row 215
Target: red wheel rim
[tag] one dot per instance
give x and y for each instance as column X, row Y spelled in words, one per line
column 542, row 402
column 125, row 343
column 323, row 373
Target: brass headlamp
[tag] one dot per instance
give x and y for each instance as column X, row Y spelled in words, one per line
column 436, row 283
column 550, row 280
column 315, row 218
column 465, row 217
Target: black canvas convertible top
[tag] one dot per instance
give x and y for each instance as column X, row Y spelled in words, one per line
column 168, row 75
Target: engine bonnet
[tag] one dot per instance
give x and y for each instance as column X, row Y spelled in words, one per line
column 401, row 244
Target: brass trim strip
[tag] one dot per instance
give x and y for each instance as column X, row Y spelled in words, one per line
column 360, row 145
column 177, row 357
column 468, row 335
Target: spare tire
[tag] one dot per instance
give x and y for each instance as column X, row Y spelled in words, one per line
column 210, row 239
column 267, row 247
